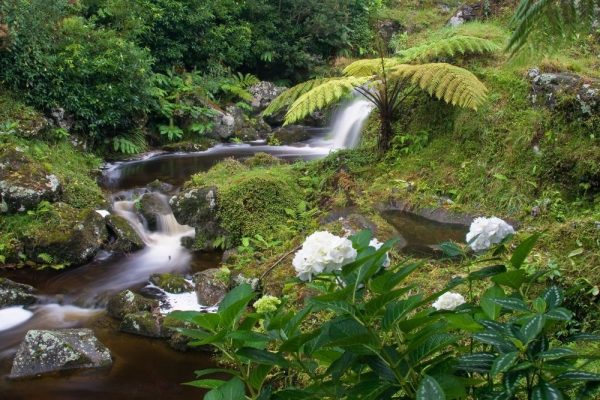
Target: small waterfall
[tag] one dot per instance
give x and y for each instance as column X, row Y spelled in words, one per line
column 349, row 122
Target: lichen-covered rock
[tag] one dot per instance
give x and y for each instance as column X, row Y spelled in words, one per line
column 565, row 91
column 144, row 323
column 210, row 289
column 127, row 302
column 153, row 205
column 45, row 351
column 263, row 93
column 15, row 294
column 465, row 13
column 171, row 283
column 224, row 125
column 24, row 183
column 74, row 241
column 198, row 208
column 122, row 237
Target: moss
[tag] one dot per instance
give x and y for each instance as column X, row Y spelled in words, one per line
column 171, row 283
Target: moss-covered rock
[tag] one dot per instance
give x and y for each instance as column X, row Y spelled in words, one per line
column 144, row 323
column 210, row 287
column 122, row 237
column 153, row 205
column 291, row 134
column 15, row 294
column 127, row 302
column 171, row 283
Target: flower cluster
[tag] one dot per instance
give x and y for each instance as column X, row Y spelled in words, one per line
column 266, row 304
column 376, row 244
column 323, row 252
column 485, row 232
column 449, row 301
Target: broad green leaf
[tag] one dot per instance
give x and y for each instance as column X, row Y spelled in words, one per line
column 206, row 383
column 389, row 280
column 476, row 362
column 579, row 376
column 580, row 337
column 258, row 375
column 512, row 303
column 239, row 293
column 463, row 321
column 487, row 272
column 546, row 391
column 504, row 362
column 208, row 321
column 395, row 311
column 451, row 250
column 523, row 250
column 533, row 327
column 430, row 389
column 513, row 279
column 209, row 371
column 495, row 339
column 490, row 308
column 374, row 305
column 429, row 346
column 559, row 314
column 262, row 356
column 361, row 239
column 341, row 365
column 556, row 354
column 249, row 338
column 553, row 296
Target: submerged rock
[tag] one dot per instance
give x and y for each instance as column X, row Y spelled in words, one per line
column 210, row 289
column 44, row 351
column 144, row 323
column 15, row 294
column 123, row 238
column 127, row 302
column 153, row 205
column 171, row 283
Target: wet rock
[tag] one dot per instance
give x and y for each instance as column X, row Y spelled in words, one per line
column 225, row 124
column 160, row 187
column 151, row 206
column 291, row 134
column 171, row 283
column 122, row 237
column 143, row 323
column 176, row 340
column 45, row 351
column 209, row 288
column 15, row 294
column 565, row 91
column 197, row 208
column 263, row 93
column 127, row 302
column 74, row 241
column 189, row 147
column 25, row 183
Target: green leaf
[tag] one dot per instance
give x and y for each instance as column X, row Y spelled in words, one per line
column 463, row 321
column 533, row 327
column 258, row 375
column 430, row 389
column 208, row 321
column 206, row 383
column 556, row 354
column 476, row 362
column 580, row 337
column 513, row 279
column 512, row 303
column 546, row 391
column 249, row 338
column 578, row 376
column 523, row 250
column 504, row 362
column 231, row 390
column 451, row 250
column 239, row 293
column 395, row 311
column 553, row 296
column 262, row 356
column 388, row 281
column 487, row 272
column 490, row 308
column 559, row 314
column 495, row 339
column 374, row 305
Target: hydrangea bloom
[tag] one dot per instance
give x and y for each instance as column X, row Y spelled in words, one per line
column 485, row 232
column 376, row 244
column 323, row 252
column 449, row 301
column 266, row 304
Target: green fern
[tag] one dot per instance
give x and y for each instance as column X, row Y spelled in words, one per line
column 370, row 67
column 286, row 98
column 448, row 47
column 447, row 82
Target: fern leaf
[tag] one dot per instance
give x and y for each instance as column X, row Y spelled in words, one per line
column 286, row 98
column 321, row 96
column 448, row 47
column 450, row 83
column 369, row 67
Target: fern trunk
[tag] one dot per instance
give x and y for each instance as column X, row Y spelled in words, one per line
column 385, row 134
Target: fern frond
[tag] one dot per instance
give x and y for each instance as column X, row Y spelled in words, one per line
column 369, row 67
column 448, row 47
column 286, row 98
column 323, row 95
column 450, row 83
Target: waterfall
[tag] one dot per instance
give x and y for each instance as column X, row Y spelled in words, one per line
column 349, row 121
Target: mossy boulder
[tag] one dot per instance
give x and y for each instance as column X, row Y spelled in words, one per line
column 73, row 238
column 160, row 187
column 127, row 302
column 210, row 287
column 291, row 134
column 171, row 283
column 15, row 294
column 122, row 237
column 144, row 323
column 46, row 351
column 152, row 206
column 25, row 183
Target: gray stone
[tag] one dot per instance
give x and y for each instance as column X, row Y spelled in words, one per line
column 61, row 118
column 127, row 302
column 160, row 187
column 45, row 351
column 144, row 323
column 152, row 206
column 15, row 294
column 209, row 289
column 465, row 13
column 263, row 93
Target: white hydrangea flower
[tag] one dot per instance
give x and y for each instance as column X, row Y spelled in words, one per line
column 449, row 301
column 323, row 252
column 376, row 244
column 484, row 232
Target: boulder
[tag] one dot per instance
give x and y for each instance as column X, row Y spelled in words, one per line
column 15, row 294
column 209, row 288
column 197, row 208
column 160, row 187
column 122, row 237
column 153, row 205
column 144, row 323
column 226, row 123
column 127, row 302
column 74, row 241
column 171, row 283
column 61, row 118
column 25, row 183
column 45, row 351
column 387, row 28
column 263, row 93
column 465, row 13
column 291, row 134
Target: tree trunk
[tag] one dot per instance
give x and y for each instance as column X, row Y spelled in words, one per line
column 385, row 134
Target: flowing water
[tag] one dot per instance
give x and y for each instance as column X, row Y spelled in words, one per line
column 77, row 297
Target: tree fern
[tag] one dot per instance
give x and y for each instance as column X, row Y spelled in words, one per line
column 369, row 67
column 321, row 96
column 556, row 18
column 450, row 83
column 286, row 98
column 448, row 47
